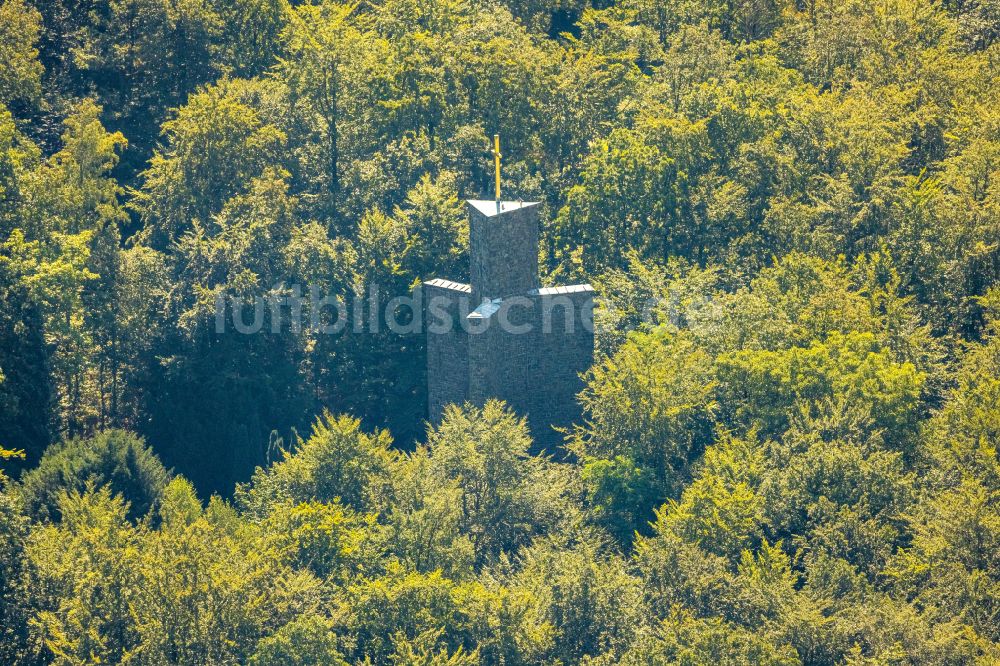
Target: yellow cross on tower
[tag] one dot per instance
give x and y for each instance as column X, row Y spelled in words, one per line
column 496, row 161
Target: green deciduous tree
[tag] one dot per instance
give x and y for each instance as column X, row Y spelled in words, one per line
column 506, row 496
column 20, row 81
column 213, row 147
column 338, row 460
column 652, row 406
column 116, row 459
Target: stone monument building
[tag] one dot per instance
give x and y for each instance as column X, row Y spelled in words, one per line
column 504, row 336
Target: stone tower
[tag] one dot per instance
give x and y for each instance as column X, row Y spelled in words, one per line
column 503, row 336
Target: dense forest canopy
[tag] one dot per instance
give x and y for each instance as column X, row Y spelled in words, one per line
column 787, row 452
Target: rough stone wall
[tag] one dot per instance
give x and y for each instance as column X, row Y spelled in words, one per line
column 485, row 371
column 445, row 304
column 564, row 344
column 530, row 353
column 503, row 250
column 501, row 356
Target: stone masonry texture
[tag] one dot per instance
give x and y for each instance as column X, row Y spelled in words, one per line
column 503, row 336
column 503, row 249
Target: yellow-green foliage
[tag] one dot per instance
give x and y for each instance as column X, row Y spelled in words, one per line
column 787, row 444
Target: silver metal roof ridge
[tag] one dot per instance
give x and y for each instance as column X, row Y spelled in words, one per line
column 568, row 289
column 486, row 309
column 441, row 283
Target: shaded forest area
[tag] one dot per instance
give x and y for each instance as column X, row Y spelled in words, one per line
column 788, row 445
